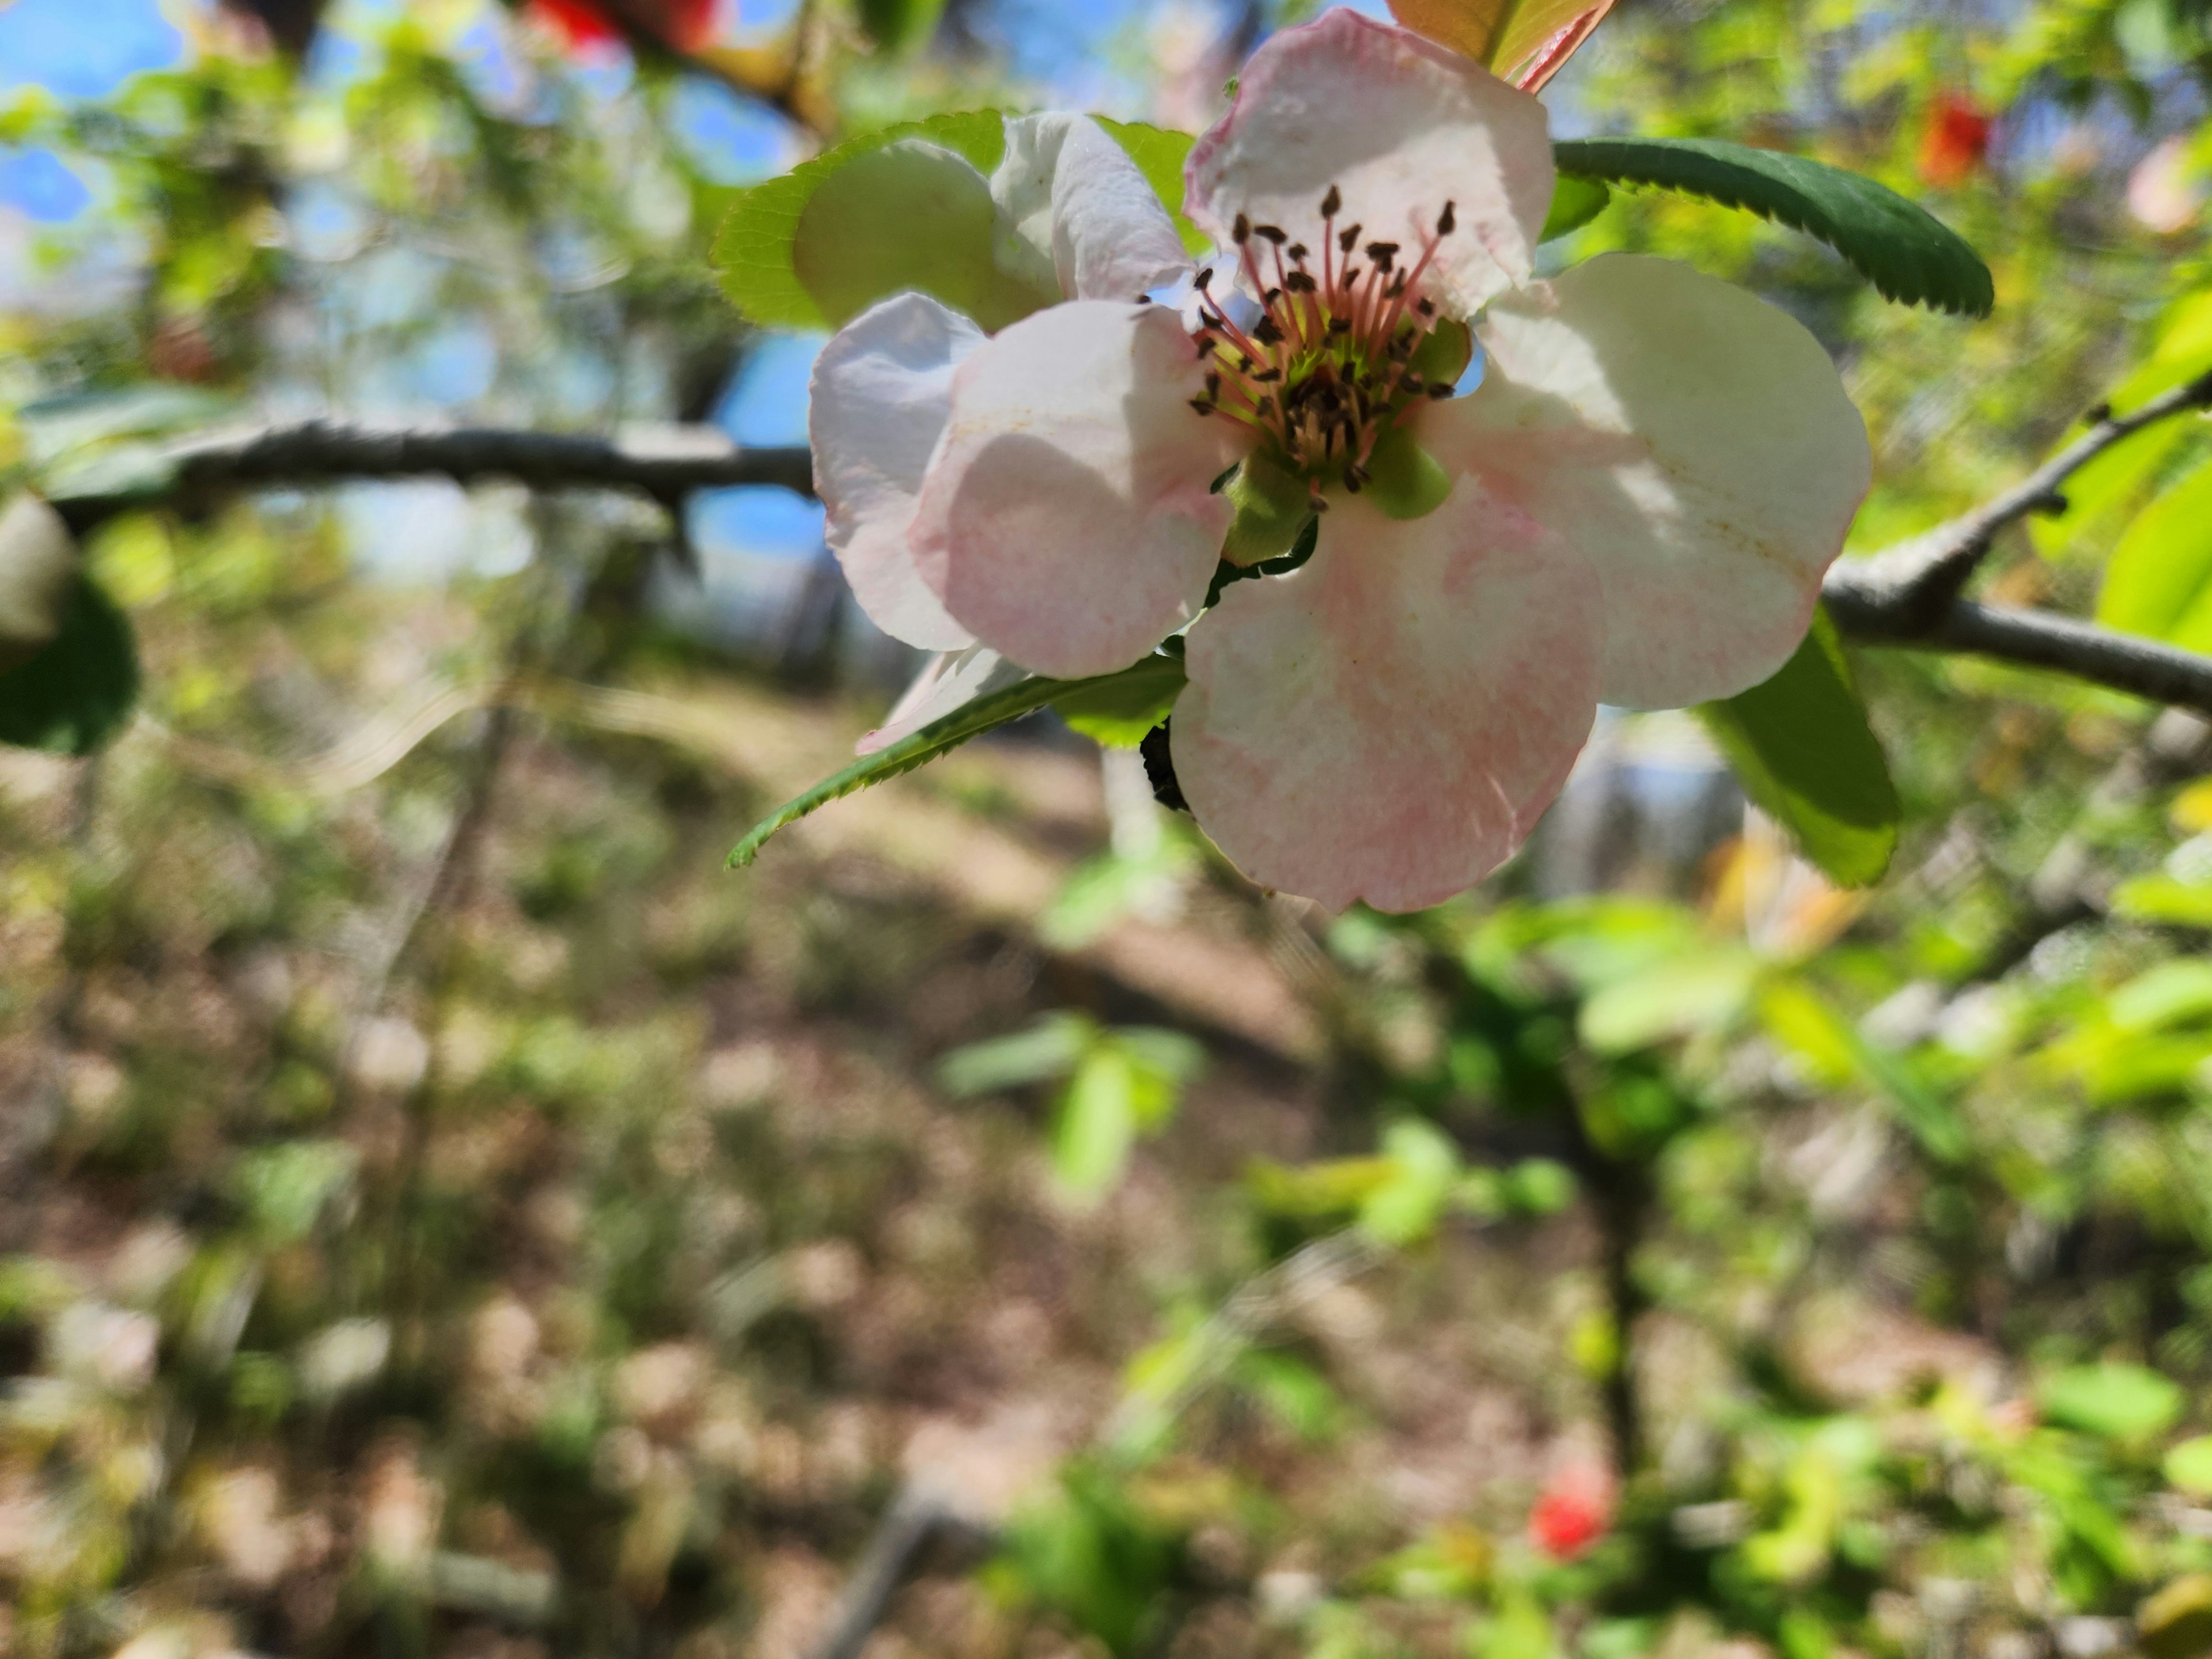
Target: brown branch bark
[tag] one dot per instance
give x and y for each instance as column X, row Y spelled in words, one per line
column 666, row 464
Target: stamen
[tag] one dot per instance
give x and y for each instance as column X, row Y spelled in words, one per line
column 1241, row 232
column 1331, row 202
column 1274, row 233
column 1205, row 277
column 1445, row 222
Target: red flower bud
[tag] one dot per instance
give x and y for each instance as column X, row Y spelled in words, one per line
column 1574, row 1511
column 1956, row 140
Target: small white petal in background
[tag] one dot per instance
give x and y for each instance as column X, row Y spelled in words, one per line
column 2166, row 191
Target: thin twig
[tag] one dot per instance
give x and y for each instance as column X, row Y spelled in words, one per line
column 1919, row 578
column 666, row 464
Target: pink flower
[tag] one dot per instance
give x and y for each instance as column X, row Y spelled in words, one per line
column 1636, row 505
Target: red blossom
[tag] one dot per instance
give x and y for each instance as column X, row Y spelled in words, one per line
column 1573, row 1511
column 680, row 25
column 1956, row 140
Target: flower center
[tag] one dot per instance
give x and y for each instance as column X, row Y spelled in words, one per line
column 1328, row 366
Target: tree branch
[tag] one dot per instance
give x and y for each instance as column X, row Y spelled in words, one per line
column 1891, row 599
column 1874, row 613
column 1921, row 577
column 666, row 464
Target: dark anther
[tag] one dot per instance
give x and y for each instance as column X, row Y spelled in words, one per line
column 1330, row 202
column 1201, row 405
column 1271, row 297
column 1351, row 478
column 1144, row 299
column 1340, row 326
column 1347, row 239
column 1351, row 274
column 1204, row 277
column 1159, row 769
column 1441, row 389
column 1268, row 377
column 2053, row 504
column 1298, row 282
column 1213, row 384
column 1413, row 383
column 1383, row 253
column 2097, row 416
column 1266, row 408
column 1297, row 253
column 1274, row 233
column 1427, row 309
column 1265, row 332
column 1241, row 232
column 1445, row 220
column 1207, row 345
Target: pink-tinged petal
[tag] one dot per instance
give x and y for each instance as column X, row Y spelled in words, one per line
column 948, row 681
column 1401, row 125
column 1388, row 723
column 1074, row 195
column 882, row 390
column 1066, row 519
column 1692, row 442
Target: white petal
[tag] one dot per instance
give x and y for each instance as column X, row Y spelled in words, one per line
column 881, row 391
column 1388, row 723
column 1066, row 519
column 1074, row 195
column 1693, row 442
column 1400, row 126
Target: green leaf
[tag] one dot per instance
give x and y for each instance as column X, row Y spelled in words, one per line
column 1405, row 481
column 753, row 249
column 1049, row 1048
column 1796, row 1016
column 972, row 720
column 1801, row 748
column 896, row 25
column 1159, row 154
column 914, row 215
column 2159, row 583
column 1424, row 1170
column 1908, row 254
column 1272, row 505
column 1097, row 1125
column 1575, row 203
column 74, row 694
column 1680, row 997
column 2117, row 1401
column 2189, row 1466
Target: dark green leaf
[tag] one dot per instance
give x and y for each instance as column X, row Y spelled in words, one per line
column 1802, row 749
column 1150, row 676
column 1908, row 254
column 74, row 696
